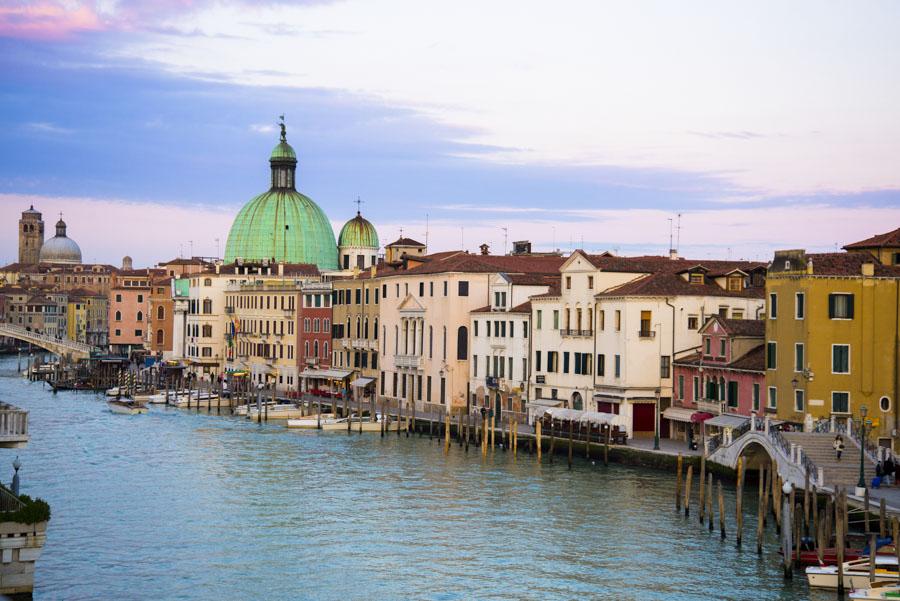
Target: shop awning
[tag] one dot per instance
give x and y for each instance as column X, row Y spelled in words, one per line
column 337, row 374
column 592, row 417
column 727, row 421
column 700, row 416
column 679, row 414
column 539, row 405
column 361, row 382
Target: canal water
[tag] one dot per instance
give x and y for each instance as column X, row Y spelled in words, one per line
column 179, row 505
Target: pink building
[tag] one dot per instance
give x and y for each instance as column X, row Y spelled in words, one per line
column 725, row 376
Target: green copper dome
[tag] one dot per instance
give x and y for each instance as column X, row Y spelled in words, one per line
column 283, row 224
column 283, row 151
column 358, row 232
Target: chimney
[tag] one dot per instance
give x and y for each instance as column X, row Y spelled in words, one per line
column 485, row 249
column 868, row 269
column 673, row 254
column 281, row 269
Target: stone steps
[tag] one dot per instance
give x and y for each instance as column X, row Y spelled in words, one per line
column 818, row 447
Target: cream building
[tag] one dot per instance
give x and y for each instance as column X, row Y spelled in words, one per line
column 425, row 318
column 607, row 340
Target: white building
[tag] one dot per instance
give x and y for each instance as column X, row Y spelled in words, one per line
column 500, row 334
column 606, row 342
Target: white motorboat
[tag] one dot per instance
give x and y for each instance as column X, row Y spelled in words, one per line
column 313, row 422
column 183, row 400
column 114, row 391
column 877, row 592
column 856, row 573
column 276, row 411
column 367, row 425
column 126, row 407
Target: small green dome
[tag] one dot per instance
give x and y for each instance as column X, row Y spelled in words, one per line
column 285, row 225
column 283, row 151
column 358, row 232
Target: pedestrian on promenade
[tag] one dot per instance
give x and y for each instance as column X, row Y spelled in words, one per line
column 838, row 446
column 889, row 469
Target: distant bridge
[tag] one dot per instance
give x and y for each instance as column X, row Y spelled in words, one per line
column 59, row 346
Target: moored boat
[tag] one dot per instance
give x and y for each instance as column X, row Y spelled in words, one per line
column 312, row 422
column 877, row 592
column 856, row 573
column 126, row 407
column 276, row 411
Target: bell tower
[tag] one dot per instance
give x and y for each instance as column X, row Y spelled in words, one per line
column 31, row 236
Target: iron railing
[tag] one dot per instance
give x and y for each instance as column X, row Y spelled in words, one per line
column 9, row 501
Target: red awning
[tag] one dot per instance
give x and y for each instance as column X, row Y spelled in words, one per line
column 700, row 416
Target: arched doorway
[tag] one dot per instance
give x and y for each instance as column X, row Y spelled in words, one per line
column 577, row 402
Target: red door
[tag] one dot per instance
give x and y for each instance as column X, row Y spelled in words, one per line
column 644, row 417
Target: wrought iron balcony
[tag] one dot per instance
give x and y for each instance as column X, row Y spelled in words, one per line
column 576, row 333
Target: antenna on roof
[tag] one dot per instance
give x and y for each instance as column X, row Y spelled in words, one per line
column 678, row 233
column 462, row 238
column 505, row 238
column 426, row 232
column 671, row 248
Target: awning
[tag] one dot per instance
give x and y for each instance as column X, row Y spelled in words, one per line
column 592, row 417
column 361, row 382
column 700, row 416
column 606, row 398
column 679, row 414
column 337, row 374
column 727, row 421
column 539, row 405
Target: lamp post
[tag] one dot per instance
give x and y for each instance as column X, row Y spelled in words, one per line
column 656, row 425
column 15, row 482
column 862, row 449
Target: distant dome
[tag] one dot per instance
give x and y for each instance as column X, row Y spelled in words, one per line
column 358, row 232
column 282, row 224
column 60, row 248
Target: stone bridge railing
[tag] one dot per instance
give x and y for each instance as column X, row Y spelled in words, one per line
column 59, row 346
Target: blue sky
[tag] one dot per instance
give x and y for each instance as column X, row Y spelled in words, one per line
column 161, row 123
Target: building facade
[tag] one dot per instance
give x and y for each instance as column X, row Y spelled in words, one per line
column 832, row 338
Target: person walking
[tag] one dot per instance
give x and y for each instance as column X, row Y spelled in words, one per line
column 889, row 469
column 838, row 446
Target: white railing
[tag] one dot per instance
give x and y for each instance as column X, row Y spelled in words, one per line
column 44, row 340
column 13, row 423
column 715, row 407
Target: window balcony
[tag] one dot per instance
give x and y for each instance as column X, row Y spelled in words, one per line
column 408, row 361
column 648, row 334
column 576, row 333
column 714, row 407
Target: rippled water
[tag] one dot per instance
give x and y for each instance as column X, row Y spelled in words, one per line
column 176, row 505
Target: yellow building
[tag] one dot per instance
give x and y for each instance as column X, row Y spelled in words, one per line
column 832, row 339
column 355, row 301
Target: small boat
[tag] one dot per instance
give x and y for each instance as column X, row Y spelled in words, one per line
column 856, row 573
column 367, row 424
column 182, row 400
column 313, row 422
column 877, row 592
column 276, row 411
column 114, row 391
column 126, row 407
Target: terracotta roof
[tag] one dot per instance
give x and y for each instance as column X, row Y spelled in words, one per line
column 752, row 360
column 484, row 309
column 879, row 241
column 523, row 308
column 848, row 264
column 668, row 283
column 405, row 242
column 191, row 261
column 469, row 263
column 740, row 327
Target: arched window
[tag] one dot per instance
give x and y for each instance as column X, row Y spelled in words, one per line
column 375, row 331
column 358, row 327
column 140, row 316
column 207, row 282
column 444, row 348
column 462, row 343
column 207, row 306
column 118, row 316
column 366, row 328
column 159, row 336
column 325, row 349
column 316, row 348
column 430, row 342
column 306, row 349
column 885, row 403
column 160, row 313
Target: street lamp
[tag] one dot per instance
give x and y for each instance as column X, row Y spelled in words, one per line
column 862, row 449
column 15, row 482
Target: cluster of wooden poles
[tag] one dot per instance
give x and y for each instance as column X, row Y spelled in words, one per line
column 487, row 434
column 821, row 517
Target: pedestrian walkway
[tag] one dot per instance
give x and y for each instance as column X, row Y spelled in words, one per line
column 666, row 446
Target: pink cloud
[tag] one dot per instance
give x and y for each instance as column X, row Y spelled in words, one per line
column 47, row 20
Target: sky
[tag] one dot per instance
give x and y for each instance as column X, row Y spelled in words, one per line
column 593, row 125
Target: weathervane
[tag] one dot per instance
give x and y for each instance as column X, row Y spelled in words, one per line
column 283, row 131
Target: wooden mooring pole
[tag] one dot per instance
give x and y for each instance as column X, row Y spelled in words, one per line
column 537, row 435
column 678, row 482
column 760, row 508
column 721, row 510
column 739, row 502
column 701, row 506
column 709, row 500
column 687, row 490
